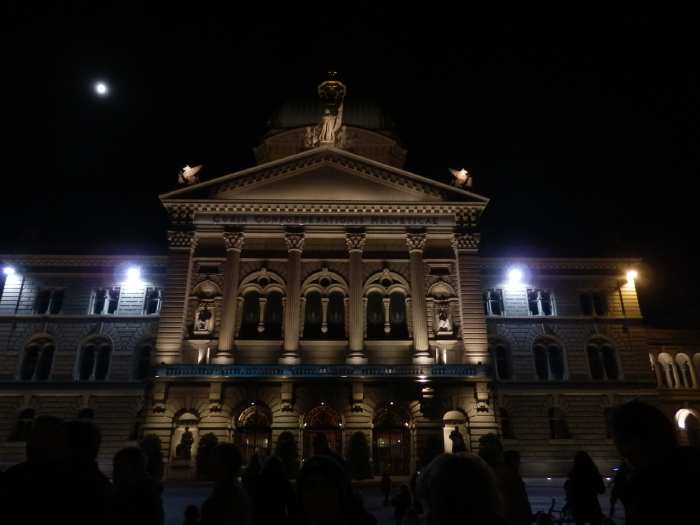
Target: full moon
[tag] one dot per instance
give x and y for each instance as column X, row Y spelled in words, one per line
column 101, row 89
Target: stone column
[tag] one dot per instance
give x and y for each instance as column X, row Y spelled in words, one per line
column 421, row 350
column 471, row 309
column 355, row 243
column 171, row 327
column 290, row 353
column 234, row 244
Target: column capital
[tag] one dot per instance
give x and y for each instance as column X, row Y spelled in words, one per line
column 182, row 240
column 415, row 242
column 355, row 241
column 466, row 241
column 295, row 241
column 233, row 241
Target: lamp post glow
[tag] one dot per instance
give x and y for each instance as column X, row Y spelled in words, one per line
column 631, row 276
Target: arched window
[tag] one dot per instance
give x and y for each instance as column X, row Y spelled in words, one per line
column 94, row 360
column 506, row 424
column 313, row 316
column 251, row 315
column 558, row 429
column 24, row 425
column 273, row 316
column 142, row 358
column 602, row 360
column 501, row 358
column 549, row 360
column 336, row 315
column 397, row 315
column 37, row 360
column 669, row 372
column 375, row 316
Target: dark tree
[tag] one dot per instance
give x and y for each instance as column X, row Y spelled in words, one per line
column 287, row 451
column 491, row 449
column 205, row 455
column 358, row 456
column 151, row 447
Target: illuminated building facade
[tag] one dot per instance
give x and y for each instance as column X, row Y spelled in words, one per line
column 327, row 290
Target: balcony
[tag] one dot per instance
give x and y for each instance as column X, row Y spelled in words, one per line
column 419, row 372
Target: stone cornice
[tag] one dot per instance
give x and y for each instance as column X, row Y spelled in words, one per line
column 183, row 213
column 98, row 261
column 552, row 263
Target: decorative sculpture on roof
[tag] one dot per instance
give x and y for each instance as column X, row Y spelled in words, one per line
column 330, row 131
column 189, row 175
column 462, row 178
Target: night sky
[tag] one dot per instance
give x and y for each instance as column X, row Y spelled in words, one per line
column 580, row 126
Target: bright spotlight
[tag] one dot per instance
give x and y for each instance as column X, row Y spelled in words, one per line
column 515, row 275
column 133, row 275
column 8, row 270
column 631, row 275
column 101, row 89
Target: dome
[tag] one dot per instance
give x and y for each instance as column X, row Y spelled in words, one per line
column 307, row 112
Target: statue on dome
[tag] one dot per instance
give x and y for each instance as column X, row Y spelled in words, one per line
column 329, row 131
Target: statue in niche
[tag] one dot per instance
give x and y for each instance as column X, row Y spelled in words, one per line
column 458, row 444
column 184, row 448
column 204, row 316
column 444, row 324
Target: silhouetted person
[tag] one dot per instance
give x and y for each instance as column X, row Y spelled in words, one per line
column 324, row 495
column 191, row 515
column 228, row 503
column 459, row 489
column 386, row 486
column 401, row 503
column 250, row 476
column 43, row 474
column 91, row 491
column 137, row 497
column 321, row 448
column 584, row 485
column 619, row 489
column 275, row 501
column 509, row 483
column 458, row 444
column 662, row 486
column 518, row 512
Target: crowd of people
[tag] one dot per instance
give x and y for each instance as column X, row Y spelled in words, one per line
column 60, row 481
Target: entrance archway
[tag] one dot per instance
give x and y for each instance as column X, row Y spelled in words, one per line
column 254, row 431
column 322, row 421
column 454, row 429
column 689, row 423
column 392, row 442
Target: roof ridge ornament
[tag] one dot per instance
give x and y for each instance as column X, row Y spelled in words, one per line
column 461, row 178
column 330, row 130
column 189, row 175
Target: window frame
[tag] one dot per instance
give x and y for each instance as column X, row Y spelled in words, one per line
column 107, row 299
column 548, row 346
column 55, row 294
column 538, row 300
column 489, row 299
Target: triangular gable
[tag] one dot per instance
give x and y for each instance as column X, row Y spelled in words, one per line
column 323, row 174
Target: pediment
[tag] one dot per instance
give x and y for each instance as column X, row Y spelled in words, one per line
column 324, row 175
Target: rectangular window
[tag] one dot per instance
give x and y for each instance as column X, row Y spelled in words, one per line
column 493, row 302
column 152, row 303
column 105, row 301
column 48, row 301
column 594, row 303
column 540, row 302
